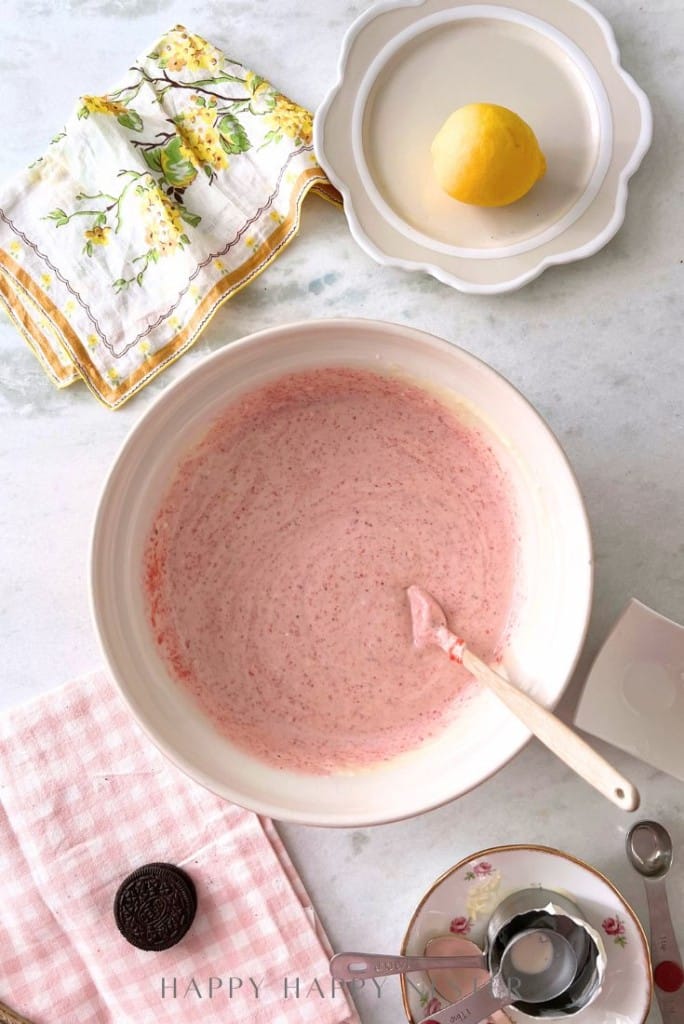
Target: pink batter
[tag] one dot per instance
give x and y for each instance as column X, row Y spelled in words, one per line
column 277, row 567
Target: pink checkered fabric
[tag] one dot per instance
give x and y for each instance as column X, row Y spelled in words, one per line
column 85, row 800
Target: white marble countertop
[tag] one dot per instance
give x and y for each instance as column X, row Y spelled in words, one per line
column 596, row 346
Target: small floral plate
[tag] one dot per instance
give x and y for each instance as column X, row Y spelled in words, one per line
column 463, row 899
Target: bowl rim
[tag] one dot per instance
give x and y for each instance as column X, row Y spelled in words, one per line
column 527, row 848
column 274, row 809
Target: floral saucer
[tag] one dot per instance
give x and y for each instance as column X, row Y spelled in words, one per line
column 463, row 899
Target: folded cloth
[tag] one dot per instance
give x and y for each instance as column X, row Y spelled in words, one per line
column 86, row 799
column 156, row 203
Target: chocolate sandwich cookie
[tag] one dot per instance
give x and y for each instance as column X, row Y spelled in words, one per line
column 155, row 905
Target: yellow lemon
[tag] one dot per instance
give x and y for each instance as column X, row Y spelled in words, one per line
column 486, row 155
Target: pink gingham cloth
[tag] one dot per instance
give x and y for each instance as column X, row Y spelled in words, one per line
column 86, row 799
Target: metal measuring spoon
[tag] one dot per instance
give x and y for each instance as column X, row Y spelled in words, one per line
column 537, row 965
column 352, row 966
column 649, row 848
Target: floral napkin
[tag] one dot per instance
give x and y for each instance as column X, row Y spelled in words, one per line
column 156, row 203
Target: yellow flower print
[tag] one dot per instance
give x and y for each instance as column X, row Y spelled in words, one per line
column 113, row 376
column 98, row 236
column 292, row 120
column 46, row 280
column 103, row 105
column 195, row 293
column 201, row 140
column 276, row 217
column 219, row 264
column 144, row 348
column 91, row 342
column 126, row 116
column 162, row 220
column 70, row 306
column 179, row 164
column 256, row 84
column 15, row 248
column 174, row 322
column 179, row 49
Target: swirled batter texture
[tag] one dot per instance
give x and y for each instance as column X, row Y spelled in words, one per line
column 276, row 568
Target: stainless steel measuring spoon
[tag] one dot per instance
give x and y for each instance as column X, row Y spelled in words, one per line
column 364, row 966
column 352, row 966
column 649, row 848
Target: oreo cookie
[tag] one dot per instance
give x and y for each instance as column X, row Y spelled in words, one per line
column 155, row 905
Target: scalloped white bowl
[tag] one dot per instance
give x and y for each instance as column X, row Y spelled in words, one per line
column 407, row 64
column 556, row 574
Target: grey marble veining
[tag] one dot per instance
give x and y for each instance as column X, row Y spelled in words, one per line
column 596, row 346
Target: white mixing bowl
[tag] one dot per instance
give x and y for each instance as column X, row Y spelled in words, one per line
column 556, row 574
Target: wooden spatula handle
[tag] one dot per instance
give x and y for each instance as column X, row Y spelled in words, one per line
column 564, row 743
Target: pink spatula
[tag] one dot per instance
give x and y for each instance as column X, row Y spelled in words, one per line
column 430, row 629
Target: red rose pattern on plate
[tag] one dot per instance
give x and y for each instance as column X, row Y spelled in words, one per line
column 615, row 927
